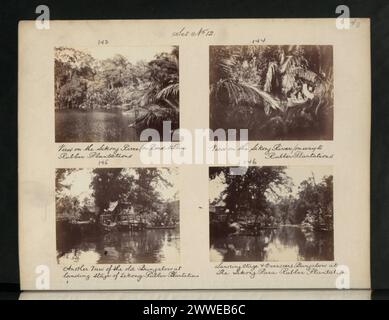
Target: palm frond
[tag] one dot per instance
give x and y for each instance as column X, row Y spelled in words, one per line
column 155, row 116
column 240, row 92
column 169, row 92
column 304, row 74
column 264, row 96
column 226, row 67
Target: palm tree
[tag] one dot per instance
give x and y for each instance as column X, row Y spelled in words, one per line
column 232, row 90
column 161, row 98
column 270, row 90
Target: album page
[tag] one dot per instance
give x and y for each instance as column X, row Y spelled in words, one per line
column 194, row 154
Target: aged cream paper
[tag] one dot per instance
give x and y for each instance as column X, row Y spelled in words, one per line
column 155, row 256
column 201, row 295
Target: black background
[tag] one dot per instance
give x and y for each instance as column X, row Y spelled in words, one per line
column 13, row 11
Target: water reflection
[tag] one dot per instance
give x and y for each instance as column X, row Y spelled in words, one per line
column 288, row 243
column 148, row 246
column 93, row 126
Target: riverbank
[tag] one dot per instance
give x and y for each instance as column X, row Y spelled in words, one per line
column 222, row 228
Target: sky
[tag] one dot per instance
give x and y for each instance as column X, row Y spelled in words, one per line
column 216, row 186
column 80, row 180
column 296, row 173
column 133, row 53
column 169, row 193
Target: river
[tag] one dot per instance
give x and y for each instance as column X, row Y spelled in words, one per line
column 286, row 243
column 147, row 246
column 93, row 126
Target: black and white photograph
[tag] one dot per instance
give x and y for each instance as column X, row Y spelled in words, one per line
column 271, row 213
column 276, row 92
column 112, row 94
column 117, row 215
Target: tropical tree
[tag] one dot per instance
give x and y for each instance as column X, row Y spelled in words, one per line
column 151, row 89
column 73, row 70
column 277, row 92
column 135, row 186
column 68, row 208
column 60, row 176
column 110, row 185
column 250, row 192
column 229, row 90
column 161, row 96
column 146, row 196
column 316, row 200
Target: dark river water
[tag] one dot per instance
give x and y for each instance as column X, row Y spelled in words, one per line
column 93, row 126
column 148, row 246
column 288, row 243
